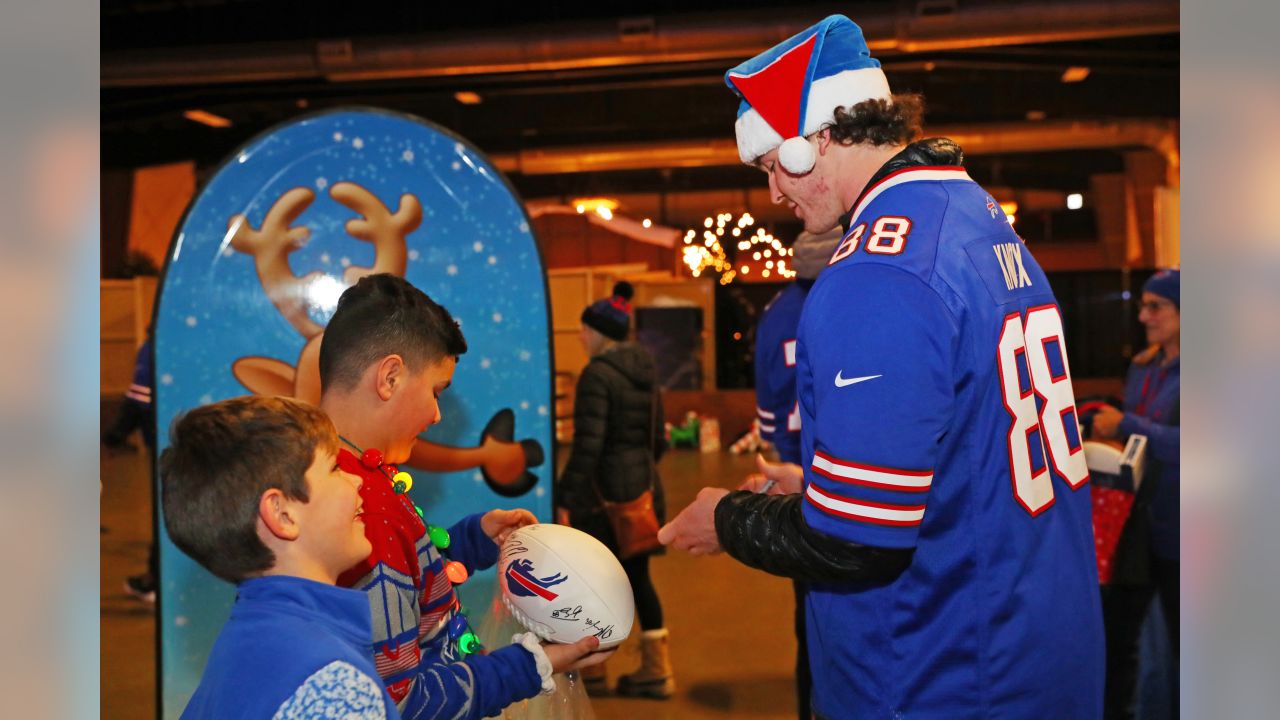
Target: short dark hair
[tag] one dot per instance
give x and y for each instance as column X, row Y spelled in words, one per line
column 220, row 460
column 896, row 121
column 384, row 315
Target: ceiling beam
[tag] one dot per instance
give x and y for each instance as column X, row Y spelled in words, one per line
column 642, row 43
column 985, row 139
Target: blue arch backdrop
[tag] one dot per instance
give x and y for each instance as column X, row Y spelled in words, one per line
column 243, row 299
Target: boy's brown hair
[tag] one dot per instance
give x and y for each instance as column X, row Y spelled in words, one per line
column 383, row 315
column 220, row 460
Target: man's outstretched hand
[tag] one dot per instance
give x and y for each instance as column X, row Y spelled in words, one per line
column 694, row 529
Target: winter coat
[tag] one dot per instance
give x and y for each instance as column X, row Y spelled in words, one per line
column 617, row 439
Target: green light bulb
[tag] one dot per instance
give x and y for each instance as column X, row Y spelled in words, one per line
column 468, row 643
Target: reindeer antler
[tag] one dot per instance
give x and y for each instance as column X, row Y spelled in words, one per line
column 270, row 247
column 386, row 231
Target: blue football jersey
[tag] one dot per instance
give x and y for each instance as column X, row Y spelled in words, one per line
column 937, row 414
column 776, row 406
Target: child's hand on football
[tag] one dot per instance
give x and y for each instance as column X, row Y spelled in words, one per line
column 576, row 656
column 498, row 524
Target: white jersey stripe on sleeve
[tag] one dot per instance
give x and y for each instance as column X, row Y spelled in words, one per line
column 865, row 511
column 768, row 428
column 764, row 414
column 871, row 475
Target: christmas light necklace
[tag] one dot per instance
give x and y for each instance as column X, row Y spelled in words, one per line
column 459, row 630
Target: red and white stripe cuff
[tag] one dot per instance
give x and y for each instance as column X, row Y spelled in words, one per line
column 864, row 510
column 874, row 476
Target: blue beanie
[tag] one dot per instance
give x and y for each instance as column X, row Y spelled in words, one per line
column 1166, row 284
column 611, row 317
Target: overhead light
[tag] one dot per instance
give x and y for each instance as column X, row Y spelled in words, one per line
column 206, row 118
column 595, row 204
column 1075, row 201
column 604, row 212
column 647, row 222
column 1035, row 115
column 466, row 97
column 1009, row 207
column 1075, row 73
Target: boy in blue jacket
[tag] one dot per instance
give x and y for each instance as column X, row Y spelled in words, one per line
column 251, row 490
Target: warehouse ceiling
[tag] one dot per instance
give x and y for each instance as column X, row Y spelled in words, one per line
column 562, row 74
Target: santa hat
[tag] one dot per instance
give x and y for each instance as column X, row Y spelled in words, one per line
column 793, row 89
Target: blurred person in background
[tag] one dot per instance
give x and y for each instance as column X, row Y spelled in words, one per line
column 1147, row 559
column 618, row 439
column 777, row 406
column 138, row 413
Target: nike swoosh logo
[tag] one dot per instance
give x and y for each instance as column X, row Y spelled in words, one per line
column 844, row 382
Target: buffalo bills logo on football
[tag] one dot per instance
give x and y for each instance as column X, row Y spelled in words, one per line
column 522, row 583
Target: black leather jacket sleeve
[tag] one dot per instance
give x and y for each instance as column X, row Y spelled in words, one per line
column 768, row 532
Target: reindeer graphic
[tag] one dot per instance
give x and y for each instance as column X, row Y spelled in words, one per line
column 503, row 462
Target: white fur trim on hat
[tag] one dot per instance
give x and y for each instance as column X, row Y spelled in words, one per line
column 756, row 137
column 842, row 90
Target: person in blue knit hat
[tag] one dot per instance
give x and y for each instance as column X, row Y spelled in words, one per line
column 1147, row 560
column 618, row 439
column 940, row 509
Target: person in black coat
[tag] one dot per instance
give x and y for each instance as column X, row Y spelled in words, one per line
column 617, row 442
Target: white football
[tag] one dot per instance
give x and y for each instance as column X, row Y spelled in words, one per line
column 564, row 585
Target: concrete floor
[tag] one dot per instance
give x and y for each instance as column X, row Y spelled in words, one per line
column 731, row 638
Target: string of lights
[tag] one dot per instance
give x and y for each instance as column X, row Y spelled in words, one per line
column 759, row 249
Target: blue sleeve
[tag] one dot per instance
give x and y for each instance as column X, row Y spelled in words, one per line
column 470, row 546
column 1164, row 440
column 877, row 348
column 776, row 408
column 478, row 687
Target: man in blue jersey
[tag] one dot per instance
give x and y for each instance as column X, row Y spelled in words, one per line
column 777, row 409
column 941, row 509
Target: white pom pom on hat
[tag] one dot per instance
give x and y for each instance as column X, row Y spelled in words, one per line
column 796, row 155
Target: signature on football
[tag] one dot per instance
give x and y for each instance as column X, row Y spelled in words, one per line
column 569, row 614
column 602, row 632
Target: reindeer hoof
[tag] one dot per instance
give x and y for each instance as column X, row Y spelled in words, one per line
column 501, row 427
column 532, row 452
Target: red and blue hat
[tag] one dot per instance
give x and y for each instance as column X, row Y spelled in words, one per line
column 793, row 89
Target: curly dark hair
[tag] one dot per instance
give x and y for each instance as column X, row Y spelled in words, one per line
column 895, row 121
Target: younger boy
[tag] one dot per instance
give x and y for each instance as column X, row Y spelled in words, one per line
column 387, row 354
column 252, row 491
